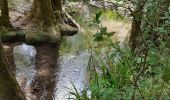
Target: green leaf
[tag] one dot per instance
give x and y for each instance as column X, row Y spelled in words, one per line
column 161, row 29
column 103, row 30
column 98, row 37
column 97, row 17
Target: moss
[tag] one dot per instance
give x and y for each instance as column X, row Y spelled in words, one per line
column 38, row 38
column 21, row 35
column 12, row 36
column 8, row 36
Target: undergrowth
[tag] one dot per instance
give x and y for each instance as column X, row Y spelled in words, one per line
column 117, row 73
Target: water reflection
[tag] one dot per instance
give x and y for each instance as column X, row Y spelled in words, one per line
column 24, row 56
column 73, row 68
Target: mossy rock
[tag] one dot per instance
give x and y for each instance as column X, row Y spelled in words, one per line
column 12, row 36
column 21, row 35
column 8, row 36
column 37, row 38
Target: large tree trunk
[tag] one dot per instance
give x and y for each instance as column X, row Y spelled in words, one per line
column 57, row 4
column 43, row 14
column 45, row 9
column 47, row 16
column 43, row 18
column 9, row 88
column 5, row 14
column 57, row 9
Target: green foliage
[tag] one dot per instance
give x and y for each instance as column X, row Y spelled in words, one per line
column 117, row 73
column 102, row 33
column 156, row 31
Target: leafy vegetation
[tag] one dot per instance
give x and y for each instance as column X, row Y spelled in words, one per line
column 119, row 73
column 119, row 70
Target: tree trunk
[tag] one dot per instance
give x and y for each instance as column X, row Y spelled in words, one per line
column 135, row 32
column 57, row 5
column 9, row 88
column 57, row 9
column 5, row 14
column 136, row 27
column 45, row 8
column 42, row 12
column 42, row 16
column 47, row 15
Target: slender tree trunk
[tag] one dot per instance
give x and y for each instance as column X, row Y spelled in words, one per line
column 135, row 32
column 136, row 27
column 5, row 14
column 9, row 88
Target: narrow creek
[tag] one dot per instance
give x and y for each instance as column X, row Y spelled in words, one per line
column 72, row 69
column 72, row 66
column 24, row 56
column 72, row 62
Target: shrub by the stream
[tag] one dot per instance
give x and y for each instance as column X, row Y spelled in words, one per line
column 117, row 73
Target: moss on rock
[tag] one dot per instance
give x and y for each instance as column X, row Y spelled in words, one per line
column 40, row 38
column 8, row 36
column 12, row 36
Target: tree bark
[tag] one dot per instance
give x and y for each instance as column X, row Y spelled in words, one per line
column 48, row 16
column 5, row 14
column 57, row 5
column 42, row 12
column 9, row 88
column 42, row 16
column 136, row 27
column 135, row 32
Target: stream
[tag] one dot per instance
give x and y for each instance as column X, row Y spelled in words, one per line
column 72, row 68
column 73, row 58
